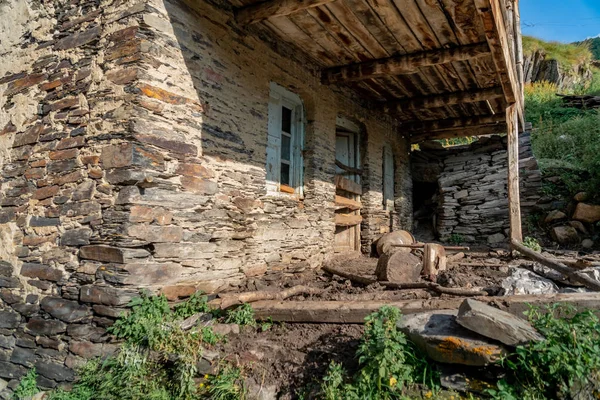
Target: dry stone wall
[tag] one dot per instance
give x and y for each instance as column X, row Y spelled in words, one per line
column 473, row 196
column 132, row 155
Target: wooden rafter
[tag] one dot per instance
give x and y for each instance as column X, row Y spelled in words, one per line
column 447, row 99
column 492, row 17
column 274, row 8
column 404, row 64
column 452, row 123
column 459, row 132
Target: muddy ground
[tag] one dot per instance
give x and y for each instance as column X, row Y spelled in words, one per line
column 291, row 359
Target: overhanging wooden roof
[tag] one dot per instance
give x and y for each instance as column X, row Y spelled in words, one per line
column 445, row 67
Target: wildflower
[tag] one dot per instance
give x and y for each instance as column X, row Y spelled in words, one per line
column 393, row 381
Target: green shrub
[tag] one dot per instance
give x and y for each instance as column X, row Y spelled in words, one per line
column 532, row 243
column 27, row 386
column 388, row 363
column 568, row 359
column 242, row 315
column 456, row 238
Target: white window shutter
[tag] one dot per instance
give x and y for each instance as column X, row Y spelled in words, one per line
column 273, row 144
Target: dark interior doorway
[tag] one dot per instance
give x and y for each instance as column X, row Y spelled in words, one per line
column 425, row 204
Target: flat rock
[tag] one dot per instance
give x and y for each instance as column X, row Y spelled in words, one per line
column 565, row 234
column 444, row 340
column 555, row 216
column 496, row 324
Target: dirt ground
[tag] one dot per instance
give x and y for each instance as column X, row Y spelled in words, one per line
column 290, row 359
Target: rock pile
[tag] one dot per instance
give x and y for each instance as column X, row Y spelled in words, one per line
column 579, row 228
column 476, row 335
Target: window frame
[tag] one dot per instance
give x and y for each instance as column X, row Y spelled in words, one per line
column 280, row 97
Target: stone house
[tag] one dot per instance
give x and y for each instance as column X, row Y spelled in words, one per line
column 181, row 145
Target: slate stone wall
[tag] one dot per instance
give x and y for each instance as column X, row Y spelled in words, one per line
column 132, row 155
column 472, row 187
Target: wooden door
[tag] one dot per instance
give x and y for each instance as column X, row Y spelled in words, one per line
column 348, row 191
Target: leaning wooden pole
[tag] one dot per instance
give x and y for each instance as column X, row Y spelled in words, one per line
column 514, row 203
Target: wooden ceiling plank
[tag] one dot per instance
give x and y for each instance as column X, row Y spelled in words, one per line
column 493, row 21
column 273, row 8
column 430, row 126
column 457, row 133
column 404, row 64
column 468, row 96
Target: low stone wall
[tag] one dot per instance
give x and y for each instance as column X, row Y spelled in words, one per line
column 473, row 196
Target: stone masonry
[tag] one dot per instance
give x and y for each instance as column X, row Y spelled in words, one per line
column 473, row 196
column 132, row 155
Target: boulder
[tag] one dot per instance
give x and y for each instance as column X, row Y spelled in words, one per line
column 581, row 196
column 496, row 324
column 555, row 216
column 587, row 213
column 565, row 234
column 399, row 267
column 587, row 243
column 579, row 227
column 439, row 335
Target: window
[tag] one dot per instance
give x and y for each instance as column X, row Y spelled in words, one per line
column 388, row 178
column 285, row 142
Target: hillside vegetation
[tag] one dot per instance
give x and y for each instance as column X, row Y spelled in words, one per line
column 568, row 55
column 566, row 141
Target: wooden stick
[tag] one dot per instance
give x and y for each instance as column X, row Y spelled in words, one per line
column 557, row 266
column 343, row 166
column 227, row 300
column 404, row 286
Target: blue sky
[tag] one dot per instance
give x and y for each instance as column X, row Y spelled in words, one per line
column 561, row 20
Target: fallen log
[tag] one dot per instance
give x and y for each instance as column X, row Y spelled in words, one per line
column 422, row 245
column 557, row 266
column 405, row 286
column 227, row 300
column 354, row 312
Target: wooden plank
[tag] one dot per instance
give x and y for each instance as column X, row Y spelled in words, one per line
column 514, row 202
column 461, row 132
column 354, row 312
column 347, row 185
column 347, row 219
column 344, row 202
column 404, row 64
column 495, row 31
column 274, row 8
column 469, row 96
column 429, row 126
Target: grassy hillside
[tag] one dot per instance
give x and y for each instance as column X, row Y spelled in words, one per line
column 568, row 55
column 593, row 45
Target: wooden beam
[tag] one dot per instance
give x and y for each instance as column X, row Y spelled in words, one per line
column 354, row 312
column 346, row 168
column 514, row 202
column 572, row 274
column 347, row 185
column 404, row 64
column 490, row 12
column 347, row 219
column 343, row 202
column 441, row 100
column 459, row 132
column 451, row 123
column 274, row 8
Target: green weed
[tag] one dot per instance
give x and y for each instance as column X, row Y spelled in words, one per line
column 227, row 385
column 568, row 359
column 27, row 386
column 532, row 243
column 242, row 315
column 388, row 363
column 456, row 238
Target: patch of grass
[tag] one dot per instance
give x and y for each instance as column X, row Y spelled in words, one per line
column 242, row 315
column 228, row 385
column 568, row 360
column 27, row 386
column 388, row 364
column 456, row 238
column 532, row 243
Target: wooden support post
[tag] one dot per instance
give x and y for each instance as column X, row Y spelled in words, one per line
column 514, row 202
column 441, row 100
column 404, row 64
column 451, row 123
column 259, row 12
